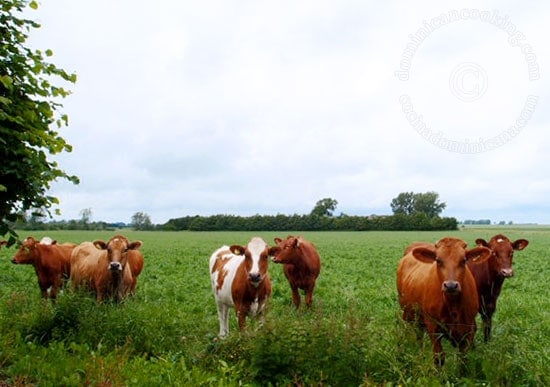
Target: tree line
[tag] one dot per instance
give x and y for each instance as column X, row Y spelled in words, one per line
column 421, row 214
column 321, row 218
column 280, row 222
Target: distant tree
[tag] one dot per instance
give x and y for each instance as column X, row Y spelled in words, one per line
column 86, row 217
column 428, row 203
column 403, row 203
column 141, row 221
column 29, row 104
column 324, row 207
column 408, row 203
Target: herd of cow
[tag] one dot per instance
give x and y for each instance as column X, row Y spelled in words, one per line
column 441, row 287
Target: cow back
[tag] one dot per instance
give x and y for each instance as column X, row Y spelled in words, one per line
column 84, row 261
column 57, row 258
column 223, row 270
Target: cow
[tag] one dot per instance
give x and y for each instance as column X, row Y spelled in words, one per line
column 3, row 243
column 109, row 269
column 52, row 264
column 491, row 274
column 437, row 291
column 301, row 265
column 240, row 279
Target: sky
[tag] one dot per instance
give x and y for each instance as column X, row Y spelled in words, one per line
column 252, row 107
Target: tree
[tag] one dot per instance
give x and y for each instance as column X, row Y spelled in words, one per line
column 324, row 207
column 428, row 203
column 86, row 217
column 141, row 221
column 29, row 109
column 403, row 203
column 409, row 203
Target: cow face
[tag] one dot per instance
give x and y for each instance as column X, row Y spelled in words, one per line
column 27, row 253
column 117, row 252
column 502, row 253
column 255, row 259
column 450, row 256
column 285, row 250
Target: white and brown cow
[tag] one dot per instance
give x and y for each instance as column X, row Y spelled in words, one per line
column 240, row 280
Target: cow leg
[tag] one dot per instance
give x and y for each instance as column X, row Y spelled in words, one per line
column 55, row 289
column 223, row 317
column 44, row 289
column 463, row 347
column 241, row 317
column 487, row 311
column 487, row 325
column 295, row 296
column 309, row 295
column 437, row 348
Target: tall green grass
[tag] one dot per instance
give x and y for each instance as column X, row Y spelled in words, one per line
column 353, row 335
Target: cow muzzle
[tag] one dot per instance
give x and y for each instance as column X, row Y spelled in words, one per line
column 451, row 287
column 507, row 273
column 255, row 278
column 115, row 266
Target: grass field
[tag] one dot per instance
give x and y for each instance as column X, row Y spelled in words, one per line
column 166, row 333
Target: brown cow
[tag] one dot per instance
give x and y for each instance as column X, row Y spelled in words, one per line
column 51, row 263
column 106, row 267
column 490, row 276
column 437, row 290
column 240, row 279
column 301, row 265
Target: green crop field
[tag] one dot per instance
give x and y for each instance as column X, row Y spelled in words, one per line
column 353, row 335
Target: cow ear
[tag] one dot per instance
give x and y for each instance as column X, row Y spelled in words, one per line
column 101, row 245
column 424, row 254
column 277, row 240
column 481, row 242
column 135, row 245
column 237, row 249
column 296, row 242
column 520, row 244
column 478, row 254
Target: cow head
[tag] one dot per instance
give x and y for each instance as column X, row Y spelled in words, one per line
column 255, row 259
column 27, row 252
column 502, row 253
column 117, row 252
column 285, row 250
column 450, row 256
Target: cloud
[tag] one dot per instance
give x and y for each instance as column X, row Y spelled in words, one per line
column 186, row 108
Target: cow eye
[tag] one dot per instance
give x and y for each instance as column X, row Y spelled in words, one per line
column 439, row 261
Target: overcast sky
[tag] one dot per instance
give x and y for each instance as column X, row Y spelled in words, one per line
column 249, row 107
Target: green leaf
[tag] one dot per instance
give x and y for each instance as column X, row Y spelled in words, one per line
column 49, row 52
column 6, row 81
column 33, row 4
